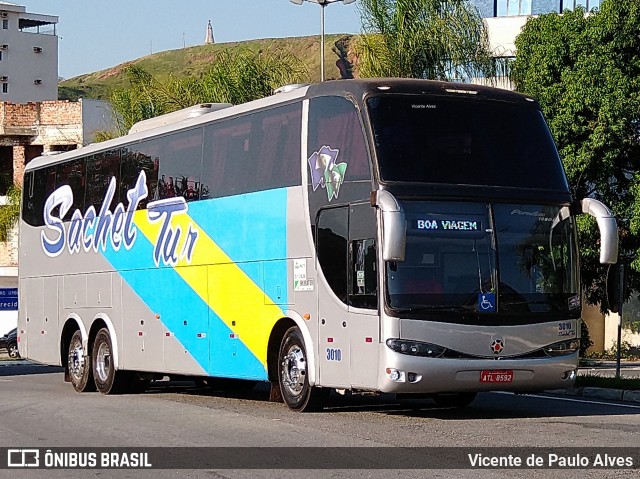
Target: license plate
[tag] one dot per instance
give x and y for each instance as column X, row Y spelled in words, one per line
column 501, row 376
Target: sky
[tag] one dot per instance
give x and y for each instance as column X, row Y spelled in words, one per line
column 98, row 34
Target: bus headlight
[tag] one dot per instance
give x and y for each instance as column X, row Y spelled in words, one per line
column 563, row 348
column 415, row 348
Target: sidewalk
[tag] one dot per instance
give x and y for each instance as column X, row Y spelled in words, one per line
column 600, row 393
column 628, row 369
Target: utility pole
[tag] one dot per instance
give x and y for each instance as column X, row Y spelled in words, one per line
column 620, row 303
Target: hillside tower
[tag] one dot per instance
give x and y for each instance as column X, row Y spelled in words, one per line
column 209, row 38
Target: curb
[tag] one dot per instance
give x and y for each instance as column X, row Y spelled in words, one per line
column 600, row 393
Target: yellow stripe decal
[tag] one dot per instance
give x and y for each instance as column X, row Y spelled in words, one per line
column 226, row 289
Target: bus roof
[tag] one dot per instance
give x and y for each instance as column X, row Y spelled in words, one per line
column 356, row 88
column 181, row 124
column 361, row 87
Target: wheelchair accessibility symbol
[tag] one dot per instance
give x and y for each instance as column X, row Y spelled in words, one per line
column 486, row 302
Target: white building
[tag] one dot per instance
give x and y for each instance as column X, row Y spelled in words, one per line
column 505, row 18
column 28, row 55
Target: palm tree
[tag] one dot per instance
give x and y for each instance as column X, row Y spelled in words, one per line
column 10, row 212
column 432, row 39
column 237, row 76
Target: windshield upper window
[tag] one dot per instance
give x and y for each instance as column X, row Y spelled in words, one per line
column 436, row 139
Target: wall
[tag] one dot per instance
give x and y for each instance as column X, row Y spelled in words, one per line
column 595, row 322
column 503, row 32
column 33, row 128
column 22, row 65
column 97, row 116
column 611, row 333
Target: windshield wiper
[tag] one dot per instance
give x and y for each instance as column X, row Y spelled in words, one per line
column 422, row 308
column 546, row 303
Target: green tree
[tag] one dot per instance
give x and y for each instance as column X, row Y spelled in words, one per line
column 433, row 39
column 10, row 212
column 585, row 72
column 236, row 77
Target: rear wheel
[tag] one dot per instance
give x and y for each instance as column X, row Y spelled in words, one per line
column 457, row 400
column 106, row 378
column 293, row 377
column 79, row 365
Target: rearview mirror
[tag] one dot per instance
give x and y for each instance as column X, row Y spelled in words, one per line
column 608, row 229
column 394, row 225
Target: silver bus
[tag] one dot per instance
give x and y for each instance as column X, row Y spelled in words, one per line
column 397, row 236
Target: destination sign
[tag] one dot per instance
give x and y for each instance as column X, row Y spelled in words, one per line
column 447, row 224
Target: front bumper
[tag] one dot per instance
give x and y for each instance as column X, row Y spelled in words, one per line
column 438, row 375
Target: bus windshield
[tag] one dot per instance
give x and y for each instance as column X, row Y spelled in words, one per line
column 498, row 259
column 436, row 139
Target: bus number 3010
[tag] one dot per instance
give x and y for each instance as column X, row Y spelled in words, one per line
column 334, row 354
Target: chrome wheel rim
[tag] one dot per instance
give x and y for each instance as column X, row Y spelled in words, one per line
column 76, row 361
column 103, row 362
column 294, row 370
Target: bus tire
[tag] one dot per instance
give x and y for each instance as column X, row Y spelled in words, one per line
column 79, row 365
column 454, row 400
column 106, row 378
column 292, row 375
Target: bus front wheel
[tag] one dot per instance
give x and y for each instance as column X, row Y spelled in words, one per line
column 292, row 375
column 79, row 365
column 106, row 378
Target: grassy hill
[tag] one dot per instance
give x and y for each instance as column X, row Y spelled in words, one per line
column 194, row 61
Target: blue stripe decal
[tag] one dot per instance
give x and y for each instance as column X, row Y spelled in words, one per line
column 165, row 292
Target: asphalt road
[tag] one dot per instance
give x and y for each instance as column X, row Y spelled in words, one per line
column 37, row 409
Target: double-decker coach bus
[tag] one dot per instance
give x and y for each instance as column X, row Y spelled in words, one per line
column 399, row 236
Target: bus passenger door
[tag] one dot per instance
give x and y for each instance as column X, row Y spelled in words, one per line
column 333, row 333
column 363, row 322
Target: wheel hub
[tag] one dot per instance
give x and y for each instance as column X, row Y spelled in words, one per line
column 13, row 351
column 103, row 362
column 76, row 361
column 294, row 370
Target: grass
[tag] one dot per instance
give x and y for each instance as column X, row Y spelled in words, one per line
column 196, row 60
column 597, row 381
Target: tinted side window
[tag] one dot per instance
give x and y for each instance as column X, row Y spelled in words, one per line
column 278, row 154
column 180, row 165
column 44, row 183
column 101, row 168
column 226, row 158
column 332, row 234
column 252, row 153
column 144, row 156
column 334, row 122
column 73, row 174
column 363, row 291
column 28, row 206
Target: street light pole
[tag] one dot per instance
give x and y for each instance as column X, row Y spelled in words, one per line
column 323, row 4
